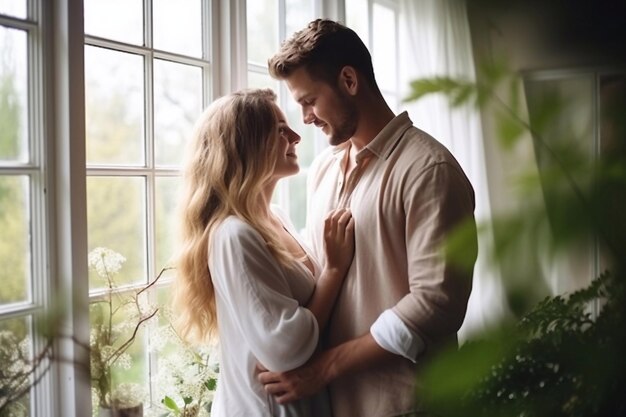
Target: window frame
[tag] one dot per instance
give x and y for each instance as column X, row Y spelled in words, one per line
column 149, row 171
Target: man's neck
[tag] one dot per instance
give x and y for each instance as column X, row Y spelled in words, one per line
column 372, row 120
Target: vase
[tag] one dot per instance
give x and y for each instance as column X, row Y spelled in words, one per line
column 136, row 411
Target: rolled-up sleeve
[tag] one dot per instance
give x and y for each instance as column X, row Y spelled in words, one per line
column 281, row 334
column 435, row 202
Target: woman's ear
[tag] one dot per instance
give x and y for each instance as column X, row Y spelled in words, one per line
column 348, row 80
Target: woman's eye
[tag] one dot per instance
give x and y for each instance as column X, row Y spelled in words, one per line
column 282, row 131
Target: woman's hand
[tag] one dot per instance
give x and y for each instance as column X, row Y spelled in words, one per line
column 339, row 247
column 339, row 239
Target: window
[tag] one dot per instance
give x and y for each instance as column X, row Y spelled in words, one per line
column 147, row 78
column 23, row 260
column 585, row 120
column 365, row 15
column 287, row 16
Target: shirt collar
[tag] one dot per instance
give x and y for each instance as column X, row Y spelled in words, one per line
column 384, row 143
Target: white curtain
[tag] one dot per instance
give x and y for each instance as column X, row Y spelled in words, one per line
column 435, row 41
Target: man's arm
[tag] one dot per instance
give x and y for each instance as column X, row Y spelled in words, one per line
column 351, row 356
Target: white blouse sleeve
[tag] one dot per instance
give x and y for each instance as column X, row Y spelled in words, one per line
column 281, row 334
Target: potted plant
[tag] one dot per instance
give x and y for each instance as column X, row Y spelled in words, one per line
column 116, row 320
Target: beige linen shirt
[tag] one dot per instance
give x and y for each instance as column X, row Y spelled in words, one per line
column 405, row 198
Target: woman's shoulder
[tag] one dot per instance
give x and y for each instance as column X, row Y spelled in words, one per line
column 232, row 228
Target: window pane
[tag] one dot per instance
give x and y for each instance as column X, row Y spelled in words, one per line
column 262, row 30
column 116, row 220
column 177, row 26
column 15, row 363
column 13, row 95
column 383, row 56
column 114, row 96
column 257, row 80
column 299, row 14
column 166, row 199
column 15, row 8
column 177, row 105
column 120, row 20
column 182, row 370
column 297, row 200
column 306, row 147
column 15, row 242
column 357, row 18
column 392, row 100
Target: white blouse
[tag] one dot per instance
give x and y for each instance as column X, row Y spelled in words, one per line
column 261, row 319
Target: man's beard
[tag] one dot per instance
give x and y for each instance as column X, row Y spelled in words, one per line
column 348, row 120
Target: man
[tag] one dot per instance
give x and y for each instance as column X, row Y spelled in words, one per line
column 402, row 299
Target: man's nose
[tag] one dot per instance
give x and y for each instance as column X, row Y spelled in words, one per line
column 308, row 116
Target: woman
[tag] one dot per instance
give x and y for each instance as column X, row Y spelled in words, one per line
column 262, row 292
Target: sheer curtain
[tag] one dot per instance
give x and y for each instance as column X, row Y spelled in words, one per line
column 435, row 41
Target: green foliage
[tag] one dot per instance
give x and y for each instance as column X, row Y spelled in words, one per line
column 558, row 359
column 458, row 91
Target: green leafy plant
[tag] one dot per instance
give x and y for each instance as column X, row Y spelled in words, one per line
column 556, row 361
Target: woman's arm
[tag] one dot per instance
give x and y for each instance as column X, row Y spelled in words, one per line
column 253, row 292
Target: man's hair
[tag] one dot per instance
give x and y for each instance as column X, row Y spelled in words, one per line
column 323, row 48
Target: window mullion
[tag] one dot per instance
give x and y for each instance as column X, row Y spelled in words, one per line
column 69, row 210
column 209, row 22
column 231, row 47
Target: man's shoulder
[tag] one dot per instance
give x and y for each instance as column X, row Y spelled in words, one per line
column 419, row 153
column 422, row 143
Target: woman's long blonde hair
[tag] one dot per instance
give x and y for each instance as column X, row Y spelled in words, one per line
column 229, row 160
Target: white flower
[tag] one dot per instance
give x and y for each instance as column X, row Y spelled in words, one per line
column 128, row 395
column 124, row 361
column 105, row 261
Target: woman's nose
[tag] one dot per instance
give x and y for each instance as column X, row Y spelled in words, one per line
column 294, row 137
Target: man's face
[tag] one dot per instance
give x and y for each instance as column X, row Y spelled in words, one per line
column 331, row 110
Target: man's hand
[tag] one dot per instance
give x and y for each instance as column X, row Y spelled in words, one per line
column 295, row 384
column 326, row 366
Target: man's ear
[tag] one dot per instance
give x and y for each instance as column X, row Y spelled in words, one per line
column 348, row 80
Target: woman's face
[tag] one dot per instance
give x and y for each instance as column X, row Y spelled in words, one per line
column 287, row 159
